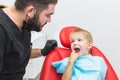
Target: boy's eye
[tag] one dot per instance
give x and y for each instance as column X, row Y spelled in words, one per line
column 79, row 39
column 72, row 41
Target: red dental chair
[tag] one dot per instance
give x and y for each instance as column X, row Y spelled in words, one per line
column 49, row 73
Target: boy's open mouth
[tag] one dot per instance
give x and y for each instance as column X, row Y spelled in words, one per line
column 77, row 50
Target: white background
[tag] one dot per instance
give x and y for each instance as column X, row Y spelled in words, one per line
column 100, row 17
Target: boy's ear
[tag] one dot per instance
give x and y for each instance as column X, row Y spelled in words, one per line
column 90, row 45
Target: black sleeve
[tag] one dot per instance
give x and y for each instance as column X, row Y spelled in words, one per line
column 2, row 47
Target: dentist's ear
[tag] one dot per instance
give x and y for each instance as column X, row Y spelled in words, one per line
column 30, row 12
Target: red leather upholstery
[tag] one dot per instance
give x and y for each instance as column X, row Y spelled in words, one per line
column 49, row 73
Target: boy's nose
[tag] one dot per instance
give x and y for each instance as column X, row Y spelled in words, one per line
column 76, row 42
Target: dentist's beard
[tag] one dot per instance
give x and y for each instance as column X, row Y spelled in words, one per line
column 33, row 26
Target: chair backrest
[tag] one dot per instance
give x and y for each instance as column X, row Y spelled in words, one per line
column 49, row 73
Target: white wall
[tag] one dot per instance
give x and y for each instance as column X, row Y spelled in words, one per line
column 100, row 17
column 7, row 2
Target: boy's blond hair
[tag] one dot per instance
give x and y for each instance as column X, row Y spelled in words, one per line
column 87, row 34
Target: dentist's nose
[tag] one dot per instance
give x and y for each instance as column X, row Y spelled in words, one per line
column 49, row 20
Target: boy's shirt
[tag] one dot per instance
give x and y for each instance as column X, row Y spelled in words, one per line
column 85, row 67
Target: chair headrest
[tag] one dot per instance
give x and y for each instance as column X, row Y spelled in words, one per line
column 65, row 35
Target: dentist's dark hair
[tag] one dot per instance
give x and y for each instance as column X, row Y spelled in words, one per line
column 42, row 4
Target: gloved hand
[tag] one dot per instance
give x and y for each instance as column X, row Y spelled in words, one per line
column 50, row 45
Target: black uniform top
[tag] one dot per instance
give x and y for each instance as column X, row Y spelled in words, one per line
column 14, row 49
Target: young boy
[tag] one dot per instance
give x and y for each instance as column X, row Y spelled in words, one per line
column 81, row 65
